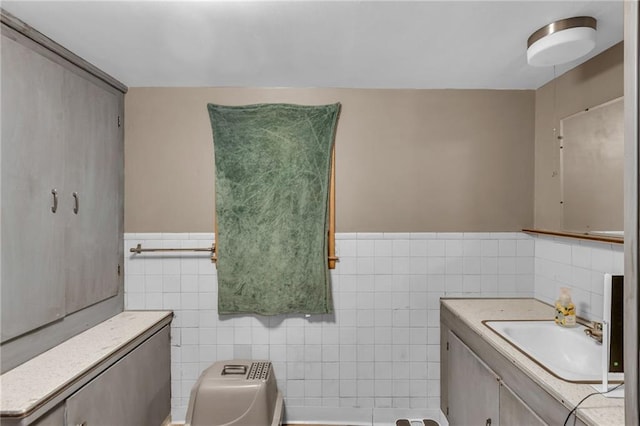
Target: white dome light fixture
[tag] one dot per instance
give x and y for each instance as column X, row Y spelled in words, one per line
column 562, row 41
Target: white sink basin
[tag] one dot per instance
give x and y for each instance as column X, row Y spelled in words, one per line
column 567, row 353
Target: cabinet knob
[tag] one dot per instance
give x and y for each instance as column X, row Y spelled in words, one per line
column 76, row 201
column 54, row 207
column 488, row 423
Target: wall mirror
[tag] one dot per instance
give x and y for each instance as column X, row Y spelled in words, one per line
column 592, row 170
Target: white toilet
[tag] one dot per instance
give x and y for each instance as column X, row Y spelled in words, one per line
column 238, row 393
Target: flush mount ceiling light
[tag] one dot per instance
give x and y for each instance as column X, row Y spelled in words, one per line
column 561, row 41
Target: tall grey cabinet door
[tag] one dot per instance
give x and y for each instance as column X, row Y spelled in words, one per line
column 93, row 192
column 33, row 164
column 473, row 389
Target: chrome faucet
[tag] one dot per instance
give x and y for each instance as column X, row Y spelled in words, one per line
column 594, row 330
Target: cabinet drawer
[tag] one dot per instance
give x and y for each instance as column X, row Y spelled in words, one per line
column 135, row 391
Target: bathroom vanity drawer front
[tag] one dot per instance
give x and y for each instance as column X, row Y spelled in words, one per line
column 134, row 391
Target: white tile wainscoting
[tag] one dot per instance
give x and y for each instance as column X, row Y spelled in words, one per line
column 380, row 349
column 579, row 265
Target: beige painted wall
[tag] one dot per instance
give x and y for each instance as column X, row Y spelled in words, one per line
column 407, row 160
column 596, row 81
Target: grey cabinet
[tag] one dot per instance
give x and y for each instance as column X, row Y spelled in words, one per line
column 62, row 147
column 473, row 389
column 135, row 391
column 476, row 395
column 514, row 412
column 55, row 417
column 33, row 286
column 92, row 192
column 522, row 400
column 117, row 373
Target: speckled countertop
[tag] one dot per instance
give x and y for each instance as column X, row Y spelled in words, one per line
column 597, row 410
column 37, row 380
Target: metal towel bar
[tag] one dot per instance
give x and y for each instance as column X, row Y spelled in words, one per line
column 138, row 249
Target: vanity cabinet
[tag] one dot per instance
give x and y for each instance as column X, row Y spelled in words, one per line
column 475, row 393
column 61, row 188
column 473, row 388
column 480, row 386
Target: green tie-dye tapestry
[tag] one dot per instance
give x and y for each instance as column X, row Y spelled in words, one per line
column 272, row 187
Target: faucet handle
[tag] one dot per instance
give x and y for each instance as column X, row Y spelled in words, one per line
column 594, row 330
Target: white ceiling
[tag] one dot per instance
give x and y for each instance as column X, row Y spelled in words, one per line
column 358, row 44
